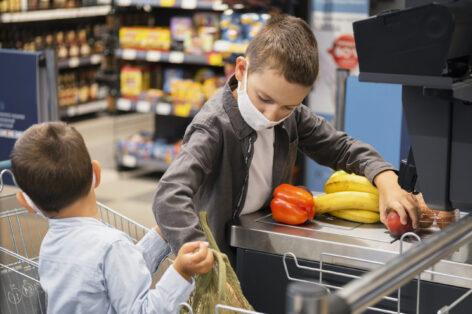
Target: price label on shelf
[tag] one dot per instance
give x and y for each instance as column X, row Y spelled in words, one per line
column 123, row 104
column 219, row 6
column 189, row 4
column 164, row 108
column 74, row 62
column 124, row 3
column 129, row 54
column 143, row 106
column 176, row 57
column 129, row 161
column 71, row 112
column 153, row 56
column 96, row 59
column 167, row 3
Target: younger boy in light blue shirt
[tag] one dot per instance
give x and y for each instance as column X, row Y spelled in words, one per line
column 84, row 265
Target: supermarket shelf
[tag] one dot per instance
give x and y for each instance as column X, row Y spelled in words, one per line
column 160, row 108
column 228, row 47
column 131, row 161
column 78, row 110
column 175, row 4
column 72, row 63
column 176, row 57
column 56, row 14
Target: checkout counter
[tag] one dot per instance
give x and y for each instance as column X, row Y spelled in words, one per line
column 338, row 251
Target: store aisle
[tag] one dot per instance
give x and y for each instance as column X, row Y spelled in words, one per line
column 130, row 193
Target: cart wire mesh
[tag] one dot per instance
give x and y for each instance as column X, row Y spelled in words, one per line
column 390, row 304
column 21, row 234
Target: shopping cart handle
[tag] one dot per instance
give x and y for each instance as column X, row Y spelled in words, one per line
column 5, row 164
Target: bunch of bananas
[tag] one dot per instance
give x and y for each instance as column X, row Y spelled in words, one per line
column 350, row 197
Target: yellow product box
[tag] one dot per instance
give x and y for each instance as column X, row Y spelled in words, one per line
column 145, row 38
column 134, row 80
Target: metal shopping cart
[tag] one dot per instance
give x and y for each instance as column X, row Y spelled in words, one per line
column 21, row 234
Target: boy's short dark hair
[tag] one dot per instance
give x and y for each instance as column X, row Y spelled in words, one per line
column 52, row 165
column 286, row 44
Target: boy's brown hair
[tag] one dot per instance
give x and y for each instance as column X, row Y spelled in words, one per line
column 52, row 165
column 286, row 44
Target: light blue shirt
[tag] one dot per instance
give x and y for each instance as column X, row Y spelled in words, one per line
column 88, row 267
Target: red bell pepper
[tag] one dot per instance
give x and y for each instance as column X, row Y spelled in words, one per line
column 292, row 205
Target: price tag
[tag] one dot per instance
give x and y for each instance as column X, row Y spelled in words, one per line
column 143, row 106
column 129, row 161
column 153, row 56
column 72, row 111
column 96, row 59
column 124, row 3
column 219, row 6
column 176, row 57
column 129, row 54
column 74, row 62
column 124, row 104
column 189, row 4
column 167, row 3
column 222, row 46
column 164, row 109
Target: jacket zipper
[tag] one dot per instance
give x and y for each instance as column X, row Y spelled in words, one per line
column 246, row 179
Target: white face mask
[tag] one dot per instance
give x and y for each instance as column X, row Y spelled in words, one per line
column 253, row 117
column 38, row 211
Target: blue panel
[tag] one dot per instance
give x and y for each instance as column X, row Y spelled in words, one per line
column 374, row 115
column 315, row 174
column 18, row 96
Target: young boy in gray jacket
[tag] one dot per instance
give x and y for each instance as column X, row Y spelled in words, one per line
column 244, row 141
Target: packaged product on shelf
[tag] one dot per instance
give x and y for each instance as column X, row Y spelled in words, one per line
column 252, row 23
column 181, row 29
column 241, row 28
column 231, row 28
column 187, row 93
column 157, row 38
column 134, row 80
column 85, row 49
column 171, row 75
column 71, row 42
column 62, row 51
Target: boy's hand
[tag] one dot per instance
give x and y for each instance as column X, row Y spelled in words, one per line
column 393, row 197
column 194, row 258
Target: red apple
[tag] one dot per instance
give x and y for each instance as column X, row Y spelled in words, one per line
column 395, row 226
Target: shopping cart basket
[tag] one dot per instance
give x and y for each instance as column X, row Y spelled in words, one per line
column 21, row 234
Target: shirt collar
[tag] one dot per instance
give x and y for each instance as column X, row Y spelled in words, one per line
column 73, row 222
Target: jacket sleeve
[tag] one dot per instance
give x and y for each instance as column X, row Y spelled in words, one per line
column 320, row 141
column 173, row 202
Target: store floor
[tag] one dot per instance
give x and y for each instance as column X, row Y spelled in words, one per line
column 131, row 192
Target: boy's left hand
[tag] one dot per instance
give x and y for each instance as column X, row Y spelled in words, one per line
column 393, row 197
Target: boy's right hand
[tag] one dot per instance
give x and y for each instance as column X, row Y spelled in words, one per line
column 194, row 258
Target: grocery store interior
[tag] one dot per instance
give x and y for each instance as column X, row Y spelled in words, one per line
column 369, row 215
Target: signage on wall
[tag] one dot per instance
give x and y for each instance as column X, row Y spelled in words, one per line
column 18, row 96
column 332, row 25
